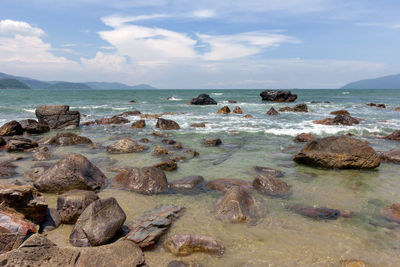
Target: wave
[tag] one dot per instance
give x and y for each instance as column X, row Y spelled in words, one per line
column 174, row 98
column 217, row 93
column 345, row 93
column 29, row 110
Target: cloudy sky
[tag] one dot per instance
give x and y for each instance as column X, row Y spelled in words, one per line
column 202, row 43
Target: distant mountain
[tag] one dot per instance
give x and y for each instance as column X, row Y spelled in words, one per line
column 7, row 83
column 62, row 85
column 386, row 82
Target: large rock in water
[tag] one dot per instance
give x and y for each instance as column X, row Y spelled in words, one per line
column 20, row 144
column 125, row 145
column 346, row 120
column 98, row 223
column 394, row 136
column 391, row 156
column 183, row 245
column 278, row 96
column 68, row 139
column 297, row 108
column 71, row 204
column 58, row 116
column 33, row 127
column 202, row 99
column 73, row 172
column 147, row 180
column 11, row 128
column 338, row 152
column 167, row 124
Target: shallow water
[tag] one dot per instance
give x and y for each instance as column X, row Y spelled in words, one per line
column 280, row 238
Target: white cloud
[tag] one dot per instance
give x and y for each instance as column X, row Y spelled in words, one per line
column 204, row 13
column 12, row 27
column 116, row 20
column 105, row 62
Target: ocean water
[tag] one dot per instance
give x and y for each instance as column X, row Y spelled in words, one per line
column 280, row 238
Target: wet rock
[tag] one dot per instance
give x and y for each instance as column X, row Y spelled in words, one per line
column 237, row 110
column 168, row 165
column 167, row 124
column 132, row 101
column 20, row 144
column 269, row 185
column 232, row 101
column 177, row 146
column 392, row 213
column 304, row 138
column 152, row 224
column 147, row 180
column 3, row 142
column 198, row 125
column 58, row 116
column 71, row 204
column 159, row 134
column 188, row 185
column 393, row 136
column 145, row 140
column 191, row 153
column 183, row 245
column 224, row 110
column 73, row 172
column 41, row 154
column 11, row 128
column 236, row 206
column 98, row 223
column 69, row 139
column 376, row 105
column 278, row 96
column 340, row 112
column 267, row 171
column 338, row 152
column 353, row 263
column 161, row 151
column 224, row 185
column 34, row 173
column 125, row 145
column 202, row 99
column 168, row 141
column 7, row 169
column 34, row 127
column 212, row 142
column 339, row 120
column 248, row 116
column 297, row 108
column 272, row 112
column 130, row 113
column 51, row 221
column 112, row 120
column 138, row 124
column 151, row 116
column 397, row 109
column 321, row 213
column 88, row 123
column 391, row 156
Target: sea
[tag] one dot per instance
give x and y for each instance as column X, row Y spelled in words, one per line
column 280, row 237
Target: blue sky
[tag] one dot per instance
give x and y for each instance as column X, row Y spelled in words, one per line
column 203, row 43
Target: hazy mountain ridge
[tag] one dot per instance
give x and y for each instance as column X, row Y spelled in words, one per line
column 8, row 83
column 385, row 82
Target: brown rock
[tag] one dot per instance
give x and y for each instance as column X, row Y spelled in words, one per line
column 304, row 137
column 391, row 156
column 11, row 128
column 271, row 186
column 212, row 142
column 161, row 151
column 20, row 144
column 394, row 136
column 248, row 116
column 58, row 116
column 397, row 109
column 183, row 245
column 339, row 120
column 392, row 213
column 68, row 139
column 138, row 124
column 168, row 141
column 130, row 113
column 71, row 204
column 340, row 112
column 224, row 185
column 278, row 96
column 224, row 110
column 159, row 134
column 319, row 213
column 266, row 171
column 7, row 169
column 376, row 105
column 198, row 125
column 297, row 108
column 168, row 165
column 125, row 145
column 144, row 140
column 188, row 184
column 272, row 112
column 132, row 101
column 112, row 120
column 353, row 263
column 237, row 110
column 167, row 124
column 33, row 127
column 41, row 154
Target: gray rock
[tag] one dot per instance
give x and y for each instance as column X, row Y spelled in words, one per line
column 58, row 116
column 51, row 221
column 20, row 144
column 71, row 204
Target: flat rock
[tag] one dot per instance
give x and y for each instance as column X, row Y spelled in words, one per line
column 345, row 120
column 58, row 116
column 278, row 96
column 167, row 124
column 320, row 213
column 376, row 105
column 125, row 145
column 183, row 245
column 202, row 99
column 224, row 185
column 71, row 204
column 392, row 213
column 267, row 171
column 11, row 128
column 33, row 127
column 188, row 185
column 297, row 108
column 269, row 185
column 391, row 156
column 304, row 138
column 112, row 120
column 20, row 144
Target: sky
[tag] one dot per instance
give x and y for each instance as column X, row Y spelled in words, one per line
column 216, row 44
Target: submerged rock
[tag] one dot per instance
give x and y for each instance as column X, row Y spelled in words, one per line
column 272, row 112
column 271, row 186
column 58, row 116
column 161, row 151
column 130, row 113
column 11, row 128
column 340, row 112
column 2, row 142
column 20, row 144
column 267, row 171
column 304, row 137
column 148, row 227
column 224, row 110
column 338, row 152
column 392, row 213
column 391, row 156
column 321, row 213
column 183, row 245
column 393, row 136
column 224, row 185
column 168, row 165
column 167, row 124
column 41, row 154
column 98, row 223
column 125, row 145
column 138, row 124
column 7, row 169
column 198, row 125
column 278, row 96
column 68, row 139
column 202, row 99
column 297, row 108
column 188, row 185
column 211, row 142
column 71, row 204
column 376, row 105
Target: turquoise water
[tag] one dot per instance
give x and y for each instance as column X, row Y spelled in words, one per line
column 280, row 238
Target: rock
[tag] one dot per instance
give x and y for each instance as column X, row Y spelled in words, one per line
column 188, row 185
column 34, row 173
column 151, row 116
column 73, row 172
column 159, row 134
column 297, row 108
column 147, row 180
column 20, row 144
column 340, row 112
column 352, row 263
column 266, row 171
column 11, row 128
column 237, row 110
column 304, row 138
column 167, row 124
column 339, row 120
column 198, row 125
column 161, row 151
column 3, row 142
column 376, row 105
column 88, row 123
column 212, row 142
column 224, row 110
column 69, row 139
column 51, row 221
column 14, row 230
column 202, row 99
column 183, row 245
column 71, row 204
column 278, row 96
column 125, row 145
column 224, row 185
column 248, row 116
column 269, row 185
column 138, row 124
column 168, row 141
column 112, row 120
column 393, row 136
column 191, row 153
column 132, row 101
column 315, row 213
column 272, row 112
column 98, row 223
column 130, row 113
column 168, row 165
column 58, row 116
column 33, row 127
column 145, row 140
column 397, row 109
column 236, row 206
column 41, row 154
column 392, row 213
column 7, row 169
column 338, row 152
column 391, row 156
column 24, row 199
column 152, row 224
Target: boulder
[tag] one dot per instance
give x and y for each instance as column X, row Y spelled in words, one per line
column 212, row 142
column 198, row 125
column 130, row 113
column 168, row 141
column 272, row 112
column 159, row 134
column 147, row 180
column 138, row 124
column 33, row 127
column 69, row 139
column 271, row 186
column 11, row 128
column 224, row 185
column 98, row 223
column 151, row 225
column 392, row 213
column 112, row 120
column 167, row 124
column 278, row 96
column 297, row 108
column 7, row 169
column 236, row 206
column 304, row 138
column 320, row 213
column 58, row 116
column 168, row 165
column 125, row 145
column 36, row 171
column 51, row 221
column 340, row 112
column 188, row 185
column 224, row 110
column 393, row 136
column 161, row 151
column 20, row 144
column 338, row 152
column 248, row 116
column 376, row 105
column 339, row 120
column 71, row 204
column 202, row 99
column 73, row 172
column 183, row 245
column 24, row 199
column 391, row 156
column 41, row 154
column 267, row 171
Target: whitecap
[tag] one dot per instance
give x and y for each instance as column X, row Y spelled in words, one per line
column 216, row 93
column 29, row 110
column 174, row 99
column 345, row 93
